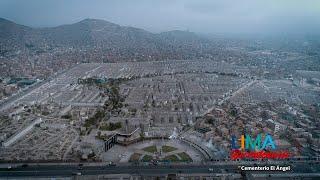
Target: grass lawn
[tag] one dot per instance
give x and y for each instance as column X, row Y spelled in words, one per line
column 146, row 158
column 172, row 158
column 185, row 157
column 135, row 157
column 168, row 149
column 151, row 149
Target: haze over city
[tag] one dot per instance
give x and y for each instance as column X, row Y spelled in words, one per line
column 204, row 16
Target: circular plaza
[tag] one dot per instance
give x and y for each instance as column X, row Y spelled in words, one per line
column 158, row 150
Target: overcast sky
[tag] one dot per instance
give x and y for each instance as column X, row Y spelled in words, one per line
column 204, row 16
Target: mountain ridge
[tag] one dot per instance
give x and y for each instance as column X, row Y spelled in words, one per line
column 46, row 50
column 87, row 32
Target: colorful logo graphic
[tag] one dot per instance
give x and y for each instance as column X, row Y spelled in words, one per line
column 261, row 147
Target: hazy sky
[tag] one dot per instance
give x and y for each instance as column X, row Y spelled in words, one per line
column 205, row 16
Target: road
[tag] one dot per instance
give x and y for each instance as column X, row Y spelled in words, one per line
column 22, row 133
column 224, row 99
column 69, row 170
column 12, row 100
column 15, row 98
column 96, row 170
